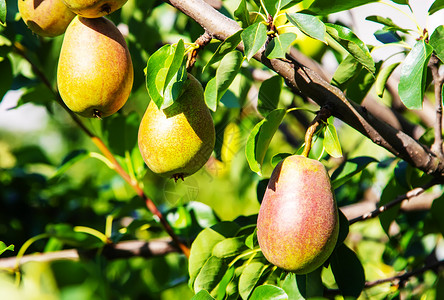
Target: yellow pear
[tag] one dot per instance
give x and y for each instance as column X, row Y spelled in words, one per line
column 45, row 17
column 178, row 140
column 95, row 73
column 94, row 8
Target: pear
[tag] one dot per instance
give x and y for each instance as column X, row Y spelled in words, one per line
column 94, row 8
column 95, row 72
column 48, row 18
column 178, row 140
column 298, row 223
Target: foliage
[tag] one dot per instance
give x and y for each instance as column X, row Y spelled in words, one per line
column 59, row 192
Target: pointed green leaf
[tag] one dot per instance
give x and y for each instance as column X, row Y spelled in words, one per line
column 254, row 37
column 348, row 271
column 437, row 42
column 210, row 94
column 278, row 157
column 350, row 42
column 7, row 76
column 382, row 77
column 308, row 24
column 269, row 94
column 3, row 11
column 412, row 81
column 242, row 15
column 260, row 137
column 347, row 70
column 250, row 278
column 155, row 64
column 436, row 6
column 267, row 291
column 326, row 7
column 331, row 141
column 350, row 168
column 390, row 192
column 69, row 160
column 228, row 45
column 278, row 47
column 229, row 247
column 361, row 84
column 389, row 24
column 4, row 248
column 310, row 285
column 176, row 75
column 210, row 274
column 202, row 295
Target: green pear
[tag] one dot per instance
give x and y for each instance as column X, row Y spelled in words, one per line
column 95, row 72
column 94, row 8
column 178, row 140
column 48, row 18
column 298, row 223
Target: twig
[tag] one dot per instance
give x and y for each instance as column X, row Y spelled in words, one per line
column 123, row 249
column 437, row 146
column 108, row 154
column 410, row 194
column 201, row 42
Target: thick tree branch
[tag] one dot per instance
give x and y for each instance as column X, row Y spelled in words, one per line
column 125, row 249
column 437, row 146
column 299, row 77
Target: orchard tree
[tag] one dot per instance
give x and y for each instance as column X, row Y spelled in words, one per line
column 252, row 149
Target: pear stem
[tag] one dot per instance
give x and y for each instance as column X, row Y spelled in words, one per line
column 321, row 117
column 200, row 43
column 108, row 154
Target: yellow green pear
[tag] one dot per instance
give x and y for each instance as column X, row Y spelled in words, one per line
column 48, row 18
column 95, row 72
column 177, row 141
column 94, row 8
column 298, row 223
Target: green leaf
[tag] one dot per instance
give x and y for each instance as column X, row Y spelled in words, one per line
column 176, row 75
column 261, row 188
column 229, row 247
column 202, row 295
column 350, row 168
column 254, row 37
column 155, row 64
column 260, row 137
column 121, row 132
column 3, row 11
column 331, row 141
column 241, row 14
column 326, row 7
column 437, row 42
column 7, row 76
column 436, row 6
column 267, row 291
column 202, row 247
column 228, row 45
column 67, row 235
column 347, row 70
column 210, row 274
column 4, row 248
column 250, row 277
column 389, row 24
column 390, row 192
column 361, row 84
column 352, row 44
column 343, row 228
column 278, row 47
column 348, row 271
column 226, row 72
column 278, row 157
column 69, row 160
column 225, row 281
column 291, row 288
column 413, row 75
column 38, row 95
column 31, row 154
column 269, row 94
column 308, row 24
column 383, row 76
column 310, row 285
column 436, row 211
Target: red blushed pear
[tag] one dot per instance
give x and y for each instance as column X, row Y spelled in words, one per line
column 95, row 72
column 94, row 8
column 298, row 223
column 47, row 18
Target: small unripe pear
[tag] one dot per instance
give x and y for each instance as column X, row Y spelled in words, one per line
column 298, row 225
column 95, row 72
column 94, row 8
column 48, row 18
column 178, row 140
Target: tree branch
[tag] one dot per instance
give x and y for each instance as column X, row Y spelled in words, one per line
column 299, row 77
column 123, row 249
column 437, row 146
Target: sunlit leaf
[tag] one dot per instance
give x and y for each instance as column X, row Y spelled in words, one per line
column 210, row 274
column 229, row 247
column 350, row 168
column 308, row 24
column 155, row 64
column 202, row 295
column 224, row 282
column 350, row 42
column 4, row 248
column 331, row 141
column 347, row 70
column 390, row 25
column 278, row 47
column 260, row 137
column 326, row 7
column 71, row 159
column 436, row 6
column 66, row 234
column 228, row 45
column 412, row 80
column 250, row 278
column 241, row 14
column 3, row 11
column 254, row 37
column 383, row 76
column 267, row 291
column 437, row 41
